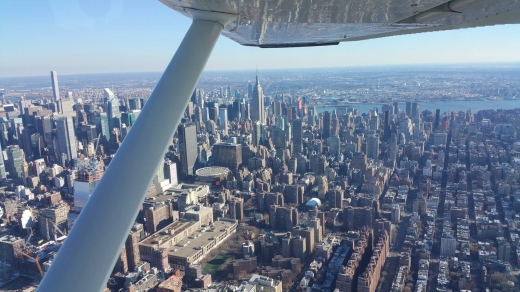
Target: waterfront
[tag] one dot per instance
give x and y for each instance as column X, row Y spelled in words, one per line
column 458, row 105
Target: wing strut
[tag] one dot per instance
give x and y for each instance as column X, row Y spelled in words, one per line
column 87, row 257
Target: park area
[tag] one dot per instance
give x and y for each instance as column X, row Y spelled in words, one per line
column 216, row 264
column 219, row 257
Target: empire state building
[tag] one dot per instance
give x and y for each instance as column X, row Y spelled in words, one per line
column 257, row 103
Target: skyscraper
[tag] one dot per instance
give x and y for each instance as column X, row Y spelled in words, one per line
column 89, row 172
column 297, row 137
column 187, row 148
column 66, row 138
column 55, row 88
column 44, row 126
column 374, row 122
column 257, row 103
column 3, row 174
column 135, row 103
column 238, row 109
column 373, row 146
column 128, row 119
column 415, row 110
column 14, row 161
column 257, row 133
column 223, row 119
column 392, row 147
column 396, row 108
column 335, row 146
column 437, row 119
column 101, row 122
column 327, row 120
column 114, row 115
column 227, row 155
column 67, row 106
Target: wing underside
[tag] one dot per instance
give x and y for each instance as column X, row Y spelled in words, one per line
column 290, row 23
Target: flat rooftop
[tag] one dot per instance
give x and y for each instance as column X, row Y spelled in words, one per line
column 199, row 238
column 183, row 188
column 173, row 193
column 164, row 234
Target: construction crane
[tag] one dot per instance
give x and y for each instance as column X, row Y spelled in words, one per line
column 37, row 263
column 29, row 238
column 56, row 229
column 97, row 144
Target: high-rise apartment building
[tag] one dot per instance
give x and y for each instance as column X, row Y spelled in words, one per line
column 359, row 161
column 188, row 148
column 55, row 88
column 88, row 174
column 132, row 245
column 236, row 208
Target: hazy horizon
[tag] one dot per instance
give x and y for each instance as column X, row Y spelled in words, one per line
column 481, row 65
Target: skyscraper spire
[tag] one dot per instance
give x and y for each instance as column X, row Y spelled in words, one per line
column 257, row 103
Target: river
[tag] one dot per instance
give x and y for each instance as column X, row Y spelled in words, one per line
column 458, row 105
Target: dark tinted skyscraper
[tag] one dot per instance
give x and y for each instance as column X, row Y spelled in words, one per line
column 238, row 109
column 327, row 120
column 297, row 138
column 437, row 119
column 187, row 148
column 14, row 162
column 135, row 103
column 396, row 108
column 101, row 122
column 415, row 110
column 409, row 108
column 227, row 155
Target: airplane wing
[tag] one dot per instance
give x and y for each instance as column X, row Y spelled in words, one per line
column 290, row 23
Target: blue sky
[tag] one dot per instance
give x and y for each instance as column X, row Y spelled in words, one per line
column 101, row 36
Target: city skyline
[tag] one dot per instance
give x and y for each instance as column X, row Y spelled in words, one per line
column 385, row 165
column 228, row 174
